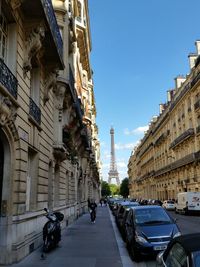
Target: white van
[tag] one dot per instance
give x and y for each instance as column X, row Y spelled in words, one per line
column 188, row 202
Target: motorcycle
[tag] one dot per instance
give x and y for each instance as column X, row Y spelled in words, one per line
column 52, row 230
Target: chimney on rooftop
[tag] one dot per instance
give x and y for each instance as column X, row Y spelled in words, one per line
column 179, row 80
column 192, row 59
column 161, row 108
column 170, row 95
column 197, row 43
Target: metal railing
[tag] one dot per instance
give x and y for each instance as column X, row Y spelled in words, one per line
column 34, row 111
column 51, row 18
column 7, row 79
column 182, row 137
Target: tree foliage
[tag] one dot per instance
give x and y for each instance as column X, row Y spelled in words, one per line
column 124, row 190
column 114, row 189
column 105, row 189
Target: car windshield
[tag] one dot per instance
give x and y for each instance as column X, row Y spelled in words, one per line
column 170, row 202
column 151, row 216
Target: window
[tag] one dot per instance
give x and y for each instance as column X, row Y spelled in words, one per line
column 31, row 181
column 177, row 257
column 35, row 86
column 3, row 36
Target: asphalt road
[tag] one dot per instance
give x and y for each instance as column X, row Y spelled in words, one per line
column 187, row 223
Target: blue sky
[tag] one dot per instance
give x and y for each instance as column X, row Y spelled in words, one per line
column 138, row 48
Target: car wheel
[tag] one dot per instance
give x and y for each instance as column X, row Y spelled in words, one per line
column 134, row 253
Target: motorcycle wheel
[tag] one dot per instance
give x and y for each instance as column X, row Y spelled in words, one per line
column 46, row 245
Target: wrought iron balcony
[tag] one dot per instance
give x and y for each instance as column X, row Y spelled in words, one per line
column 38, row 11
column 34, row 111
column 51, row 18
column 183, row 161
column 182, row 137
column 7, row 79
column 79, row 109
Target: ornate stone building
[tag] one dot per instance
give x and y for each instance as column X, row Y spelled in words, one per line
column 49, row 147
column 167, row 160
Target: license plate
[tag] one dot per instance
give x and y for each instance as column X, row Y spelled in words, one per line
column 160, row 247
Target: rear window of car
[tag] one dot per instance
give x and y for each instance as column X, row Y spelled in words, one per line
column 170, row 202
column 151, row 216
column 177, row 257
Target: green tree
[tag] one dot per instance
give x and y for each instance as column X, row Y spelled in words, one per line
column 124, row 190
column 114, row 189
column 105, row 189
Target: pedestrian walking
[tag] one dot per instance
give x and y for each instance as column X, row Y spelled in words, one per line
column 101, row 202
column 93, row 207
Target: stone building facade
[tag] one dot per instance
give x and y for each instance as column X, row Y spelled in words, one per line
column 167, row 160
column 49, row 147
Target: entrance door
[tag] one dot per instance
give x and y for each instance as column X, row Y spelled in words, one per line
column 1, row 171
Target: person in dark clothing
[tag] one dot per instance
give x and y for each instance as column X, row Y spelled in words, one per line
column 93, row 207
column 88, row 201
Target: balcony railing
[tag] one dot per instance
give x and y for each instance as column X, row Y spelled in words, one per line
column 182, row 137
column 178, row 163
column 7, row 79
column 79, row 109
column 51, row 18
column 71, row 83
column 34, row 111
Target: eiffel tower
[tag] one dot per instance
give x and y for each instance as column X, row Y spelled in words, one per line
column 113, row 173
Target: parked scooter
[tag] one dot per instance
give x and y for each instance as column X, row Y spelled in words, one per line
column 51, row 230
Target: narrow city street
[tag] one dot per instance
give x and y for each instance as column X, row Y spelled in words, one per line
column 87, row 245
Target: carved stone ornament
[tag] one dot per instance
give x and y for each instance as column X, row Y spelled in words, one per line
column 59, row 95
column 60, row 154
column 7, row 111
column 33, row 46
column 16, row 3
column 8, row 115
column 50, row 82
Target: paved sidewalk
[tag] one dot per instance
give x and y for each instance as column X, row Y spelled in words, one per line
column 83, row 245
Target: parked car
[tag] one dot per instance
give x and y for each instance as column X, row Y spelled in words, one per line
column 122, row 223
column 183, row 251
column 169, row 205
column 149, row 229
column 121, row 212
column 156, row 202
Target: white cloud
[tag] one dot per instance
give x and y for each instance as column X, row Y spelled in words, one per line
column 120, row 146
column 139, row 130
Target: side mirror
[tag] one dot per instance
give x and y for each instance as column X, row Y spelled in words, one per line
column 159, row 258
